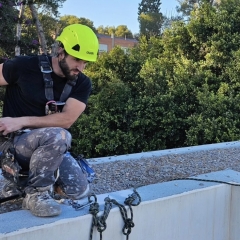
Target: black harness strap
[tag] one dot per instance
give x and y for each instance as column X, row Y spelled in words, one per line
column 46, row 69
column 67, row 90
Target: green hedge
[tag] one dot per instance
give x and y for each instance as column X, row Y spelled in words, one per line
column 177, row 90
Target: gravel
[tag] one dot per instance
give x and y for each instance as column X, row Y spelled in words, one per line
column 120, row 175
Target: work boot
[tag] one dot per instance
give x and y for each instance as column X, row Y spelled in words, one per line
column 10, row 189
column 41, row 204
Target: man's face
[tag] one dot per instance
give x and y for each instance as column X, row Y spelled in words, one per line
column 71, row 66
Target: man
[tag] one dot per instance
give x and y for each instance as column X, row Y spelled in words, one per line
column 42, row 150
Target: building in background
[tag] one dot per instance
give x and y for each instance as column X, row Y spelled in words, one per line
column 107, row 43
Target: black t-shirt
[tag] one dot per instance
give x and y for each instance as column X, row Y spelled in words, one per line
column 25, row 94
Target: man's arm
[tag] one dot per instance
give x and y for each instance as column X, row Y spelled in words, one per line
column 71, row 111
column 2, row 80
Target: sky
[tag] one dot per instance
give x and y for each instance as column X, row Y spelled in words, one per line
column 112, row 12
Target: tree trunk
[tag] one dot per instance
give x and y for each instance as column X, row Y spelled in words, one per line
column 55, row 44
column 19, row 29
column 41, row 36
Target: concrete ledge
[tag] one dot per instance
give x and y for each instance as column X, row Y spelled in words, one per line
column 176, row 210
column 234, row 144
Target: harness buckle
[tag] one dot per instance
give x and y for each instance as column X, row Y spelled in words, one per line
column 45, row 67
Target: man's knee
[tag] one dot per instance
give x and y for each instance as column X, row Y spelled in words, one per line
column 58, row 138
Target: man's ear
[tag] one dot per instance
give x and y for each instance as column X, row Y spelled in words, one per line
column 61, row 52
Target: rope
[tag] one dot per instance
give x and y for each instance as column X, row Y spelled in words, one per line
column 128, row 222
column 100, row 221
column 206, row 180
column 94, row 209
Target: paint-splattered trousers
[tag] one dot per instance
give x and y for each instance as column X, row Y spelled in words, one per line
column 43, row 152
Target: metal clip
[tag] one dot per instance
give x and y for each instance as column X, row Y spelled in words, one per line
column 46, row 69
column 51, row 107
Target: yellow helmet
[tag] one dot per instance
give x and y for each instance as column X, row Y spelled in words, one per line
column 80, row 41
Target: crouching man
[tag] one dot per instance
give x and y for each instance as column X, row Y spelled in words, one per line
column 37, row 109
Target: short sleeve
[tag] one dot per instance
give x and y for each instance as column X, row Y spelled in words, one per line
column 82, row 89
column 10, row 71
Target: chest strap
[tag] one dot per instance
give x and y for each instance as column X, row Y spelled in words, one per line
column 46, row 69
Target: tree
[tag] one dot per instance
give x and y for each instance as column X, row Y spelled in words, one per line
column 8, row 19
column 71, row 19
column 214, row 36
column 186, row 6
column 41, row 35
column 102, row 30
column 119, row 31
column 17, row 25
column 52, row 28
column 150, row 18
column 123, row 31
column 19, row 28
column 178, row 90
column 48, row 6
column 108, row 30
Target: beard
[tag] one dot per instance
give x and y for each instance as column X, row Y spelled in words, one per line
column 66, row 70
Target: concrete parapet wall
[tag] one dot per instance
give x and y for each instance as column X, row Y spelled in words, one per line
column 234, row 230
column 176, row 210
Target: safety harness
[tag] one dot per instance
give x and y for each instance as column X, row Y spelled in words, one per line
column 46, row 69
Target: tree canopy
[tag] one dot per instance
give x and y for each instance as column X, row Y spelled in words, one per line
column 187, row 6
column 150, row 18
column 8, row 19
column 119, row 31
column 179, row 89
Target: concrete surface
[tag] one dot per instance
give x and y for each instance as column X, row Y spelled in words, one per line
column 15, row 225
column 23, row 219
column 166, row 152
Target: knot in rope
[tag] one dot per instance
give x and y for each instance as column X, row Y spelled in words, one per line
column 94, row 208
column 128, row 225
column 101, row 224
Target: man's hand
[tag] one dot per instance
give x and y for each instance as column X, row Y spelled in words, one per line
column 71, row 111
column 8, row 125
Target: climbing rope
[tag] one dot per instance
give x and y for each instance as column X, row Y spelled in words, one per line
column 132, row 200
column 206, row 180
column 100, row 221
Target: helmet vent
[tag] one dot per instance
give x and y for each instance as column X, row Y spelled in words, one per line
column 76, row 47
